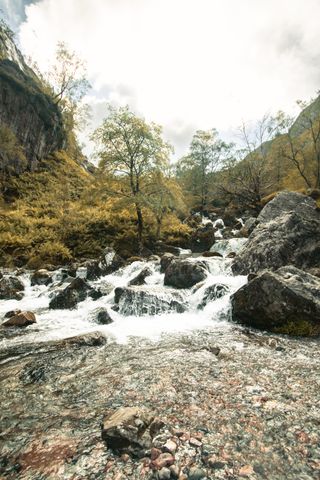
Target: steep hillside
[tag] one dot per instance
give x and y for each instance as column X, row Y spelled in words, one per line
column 29, row 114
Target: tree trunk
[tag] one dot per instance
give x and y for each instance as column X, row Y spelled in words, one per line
column 140, row 226
column 158, row 231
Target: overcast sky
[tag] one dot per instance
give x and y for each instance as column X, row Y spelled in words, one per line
column 186, row 64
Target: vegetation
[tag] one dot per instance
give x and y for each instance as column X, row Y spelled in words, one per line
column 134, row 197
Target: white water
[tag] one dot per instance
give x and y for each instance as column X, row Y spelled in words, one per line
column 57, row 324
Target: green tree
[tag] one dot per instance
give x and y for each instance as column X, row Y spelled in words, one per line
column 130, row 152
column 207, row 155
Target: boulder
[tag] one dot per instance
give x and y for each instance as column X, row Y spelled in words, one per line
column 110, row 261
column 41, row 277
column 165, row 260
column 285, row 301
column 117, row 294
column 203, row 238
column 288, row 233
column 185, row 273
column 212, row 293
column 151, row 301
column 76, row 292
column 129, row 429
column 22, row 319
column 11, row 288
column 162, row 248
column 11, row 313
column 250, row 224
column 140, row 278
column 102, row 316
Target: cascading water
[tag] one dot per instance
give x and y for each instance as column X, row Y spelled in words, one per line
column 151, row 312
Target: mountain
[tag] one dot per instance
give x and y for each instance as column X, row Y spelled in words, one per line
column 26, row 111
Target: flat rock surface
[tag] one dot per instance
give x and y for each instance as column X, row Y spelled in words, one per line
column 237, row 404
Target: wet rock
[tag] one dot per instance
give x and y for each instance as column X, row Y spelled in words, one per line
column 22, row 319
column 285, row 301
column 203, row 238
column 127, row 429
column 288, row 234
column 11, row 288
column 110, row 261
column 117, row 294
column 211, row 254
column 212, row 293
column 76, row 292
column 184, row 273
column 41, row 277
column 93, row 270
column 140, row 278
column 231, row 255
column 102, row 316
column 149, row 301
column 11, row 313
column 162, row 248
column 166, row 259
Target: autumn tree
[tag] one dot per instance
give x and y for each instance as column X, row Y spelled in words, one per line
column 130, row 152
column 247, row 177
column 163, row 195
column 302, row 143
column 207, row 155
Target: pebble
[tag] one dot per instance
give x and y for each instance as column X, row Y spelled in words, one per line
column 164, row 474
column 164, row 460
column 195, row 443
column 196, row 474
column 170, row 446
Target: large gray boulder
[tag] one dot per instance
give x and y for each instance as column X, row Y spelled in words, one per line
column 139, row 300
column 185, row 273
column 285, row 301
column 288, row 233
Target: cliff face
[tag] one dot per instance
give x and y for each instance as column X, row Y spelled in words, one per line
column 25, row 108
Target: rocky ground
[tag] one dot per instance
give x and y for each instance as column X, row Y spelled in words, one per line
column 234, row 404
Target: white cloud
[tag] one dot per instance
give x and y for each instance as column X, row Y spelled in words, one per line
column 186, row 64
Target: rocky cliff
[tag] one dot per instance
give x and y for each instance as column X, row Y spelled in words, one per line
column 30, row 113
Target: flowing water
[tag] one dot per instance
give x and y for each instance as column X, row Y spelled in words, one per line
column 57, row 324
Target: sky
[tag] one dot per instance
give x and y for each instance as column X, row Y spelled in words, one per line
column 185, row 64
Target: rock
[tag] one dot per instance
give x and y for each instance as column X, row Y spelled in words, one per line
column 30, row 113
column 134, row 259
column 285, row 301
column 164, row 460
column 149, row 301
column 11, row 313
column 140, row 278
column 154, row 258
column 127, row 429
column 211, row 254
column 41, row 277
column 11, row 288
column 165, row 260
column 110, row 261
column 231, row 255
column 203, row 238
column 102, row 316
column 164, row 474
column 76, row 292
column 117, row 294
column 185, row 273
column 170, row 446
column 22, row 319
column 196, row 473
column 288, row 234
column 162, row 248
column 93, row 270
column 250, row 224
column 212, row 293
